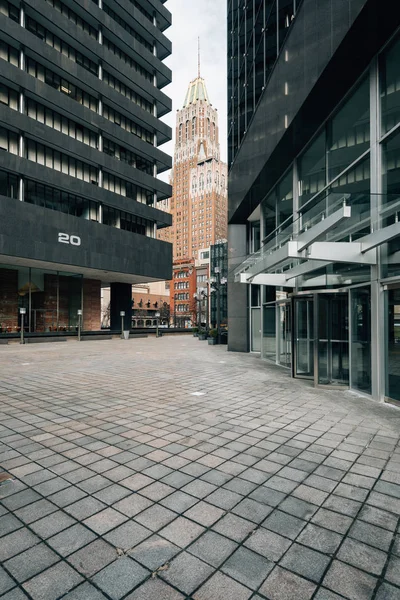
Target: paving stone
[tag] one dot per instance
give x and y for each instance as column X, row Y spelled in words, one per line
column 305, row 562
column 16, row 542
column 393, row 571
column 53, row 582
column 234, row 527
column 224, row 498
column 268, row 496
column 378, row 517
column 321, row 539
column 104, row 520
column 247, row 567
column 154, row 552
column 212, row 548
column 177, row 479
column 15, row 594
column 284, row 524
column 85, row 591
column 155, row 517
column 332, row 520
column 179, row 502
column 133, row 505
column 181, row 531
column 68, row 496
column 155, row 589
column 186, row 572
column 85, row 508
column 204, row 513
column 374, row 536
column 268, row 544
column 52, row 524
column 127, row 536
column 112, row 494
column 31, row 562
column 34, row 512
column 350, row 582
column 298, row 508
column 221, row 587
column 387, row 592
column 199, row 488
column 362, row 556
column 283, row 585
column 92, row 558
column 71, row 539
column 119, row 578
column 6, row 582
column 9, row 523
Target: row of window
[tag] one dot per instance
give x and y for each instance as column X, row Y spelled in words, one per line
column 182, row 308
column 58, row 44
column 53, row 159
column 52, row 119
column 126, row 91
column 181, row 285
column 72, row 16
column 121, row 153
column 183, row 296
column 70, row 204
column 127, row 59
column 40, row 72
column 127, row 28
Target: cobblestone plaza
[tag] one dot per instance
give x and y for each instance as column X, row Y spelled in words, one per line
column 166, row 469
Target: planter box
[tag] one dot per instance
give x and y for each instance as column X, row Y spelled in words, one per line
column 202, row 336
column 212, row 341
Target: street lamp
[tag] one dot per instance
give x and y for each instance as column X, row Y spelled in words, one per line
column 157, row 317
column 79, row 324
column 22, row 312
column 122, row 315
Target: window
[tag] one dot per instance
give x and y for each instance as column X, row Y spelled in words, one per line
column 9, row 54
column 9, row 97
column 8, row 185
column 8, row 141
column 390, row 87
column 312, row 169
column 193, row 127
column 348, row 131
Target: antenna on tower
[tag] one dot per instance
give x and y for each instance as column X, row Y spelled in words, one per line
column 198, row 57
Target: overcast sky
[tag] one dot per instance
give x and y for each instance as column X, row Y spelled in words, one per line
column 192, row 19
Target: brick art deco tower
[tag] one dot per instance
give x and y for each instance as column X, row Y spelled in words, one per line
column 199, row 200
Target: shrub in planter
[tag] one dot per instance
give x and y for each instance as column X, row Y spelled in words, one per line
column 195, row 331
column 212, row 337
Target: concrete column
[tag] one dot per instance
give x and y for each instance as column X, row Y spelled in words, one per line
column 120, row 300
column 21, row 189
column 238, row 312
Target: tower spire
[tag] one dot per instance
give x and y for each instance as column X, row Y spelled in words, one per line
column 198, row 57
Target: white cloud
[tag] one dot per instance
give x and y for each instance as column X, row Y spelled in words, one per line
column 192, row 19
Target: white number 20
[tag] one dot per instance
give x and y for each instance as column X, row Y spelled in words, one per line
column 65, row 238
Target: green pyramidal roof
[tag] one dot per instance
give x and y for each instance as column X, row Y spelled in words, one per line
column 196, row 91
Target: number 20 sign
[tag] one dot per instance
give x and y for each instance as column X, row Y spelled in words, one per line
column 65, row 238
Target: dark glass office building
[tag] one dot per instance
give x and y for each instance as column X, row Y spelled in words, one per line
column 314, row 189
column 80, row 105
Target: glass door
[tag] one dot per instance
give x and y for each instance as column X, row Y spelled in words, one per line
column 393, row 344
column 255, row 330
column 333, row 339
column 285, row 334
column 360, row 373
column 303, row 341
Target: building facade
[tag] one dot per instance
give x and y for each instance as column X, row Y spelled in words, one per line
column 182, row 289
column 314, row 189
column 199, row 178
column 80, row 105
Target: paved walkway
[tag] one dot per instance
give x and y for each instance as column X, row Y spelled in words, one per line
column 167, row 469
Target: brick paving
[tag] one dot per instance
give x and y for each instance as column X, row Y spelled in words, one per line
column 167, row 469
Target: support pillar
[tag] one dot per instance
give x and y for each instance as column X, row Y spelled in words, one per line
column 120, row 300
column 238, row 311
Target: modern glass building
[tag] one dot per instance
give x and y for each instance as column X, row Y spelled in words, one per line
column 314, row 189
column 80, row 105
